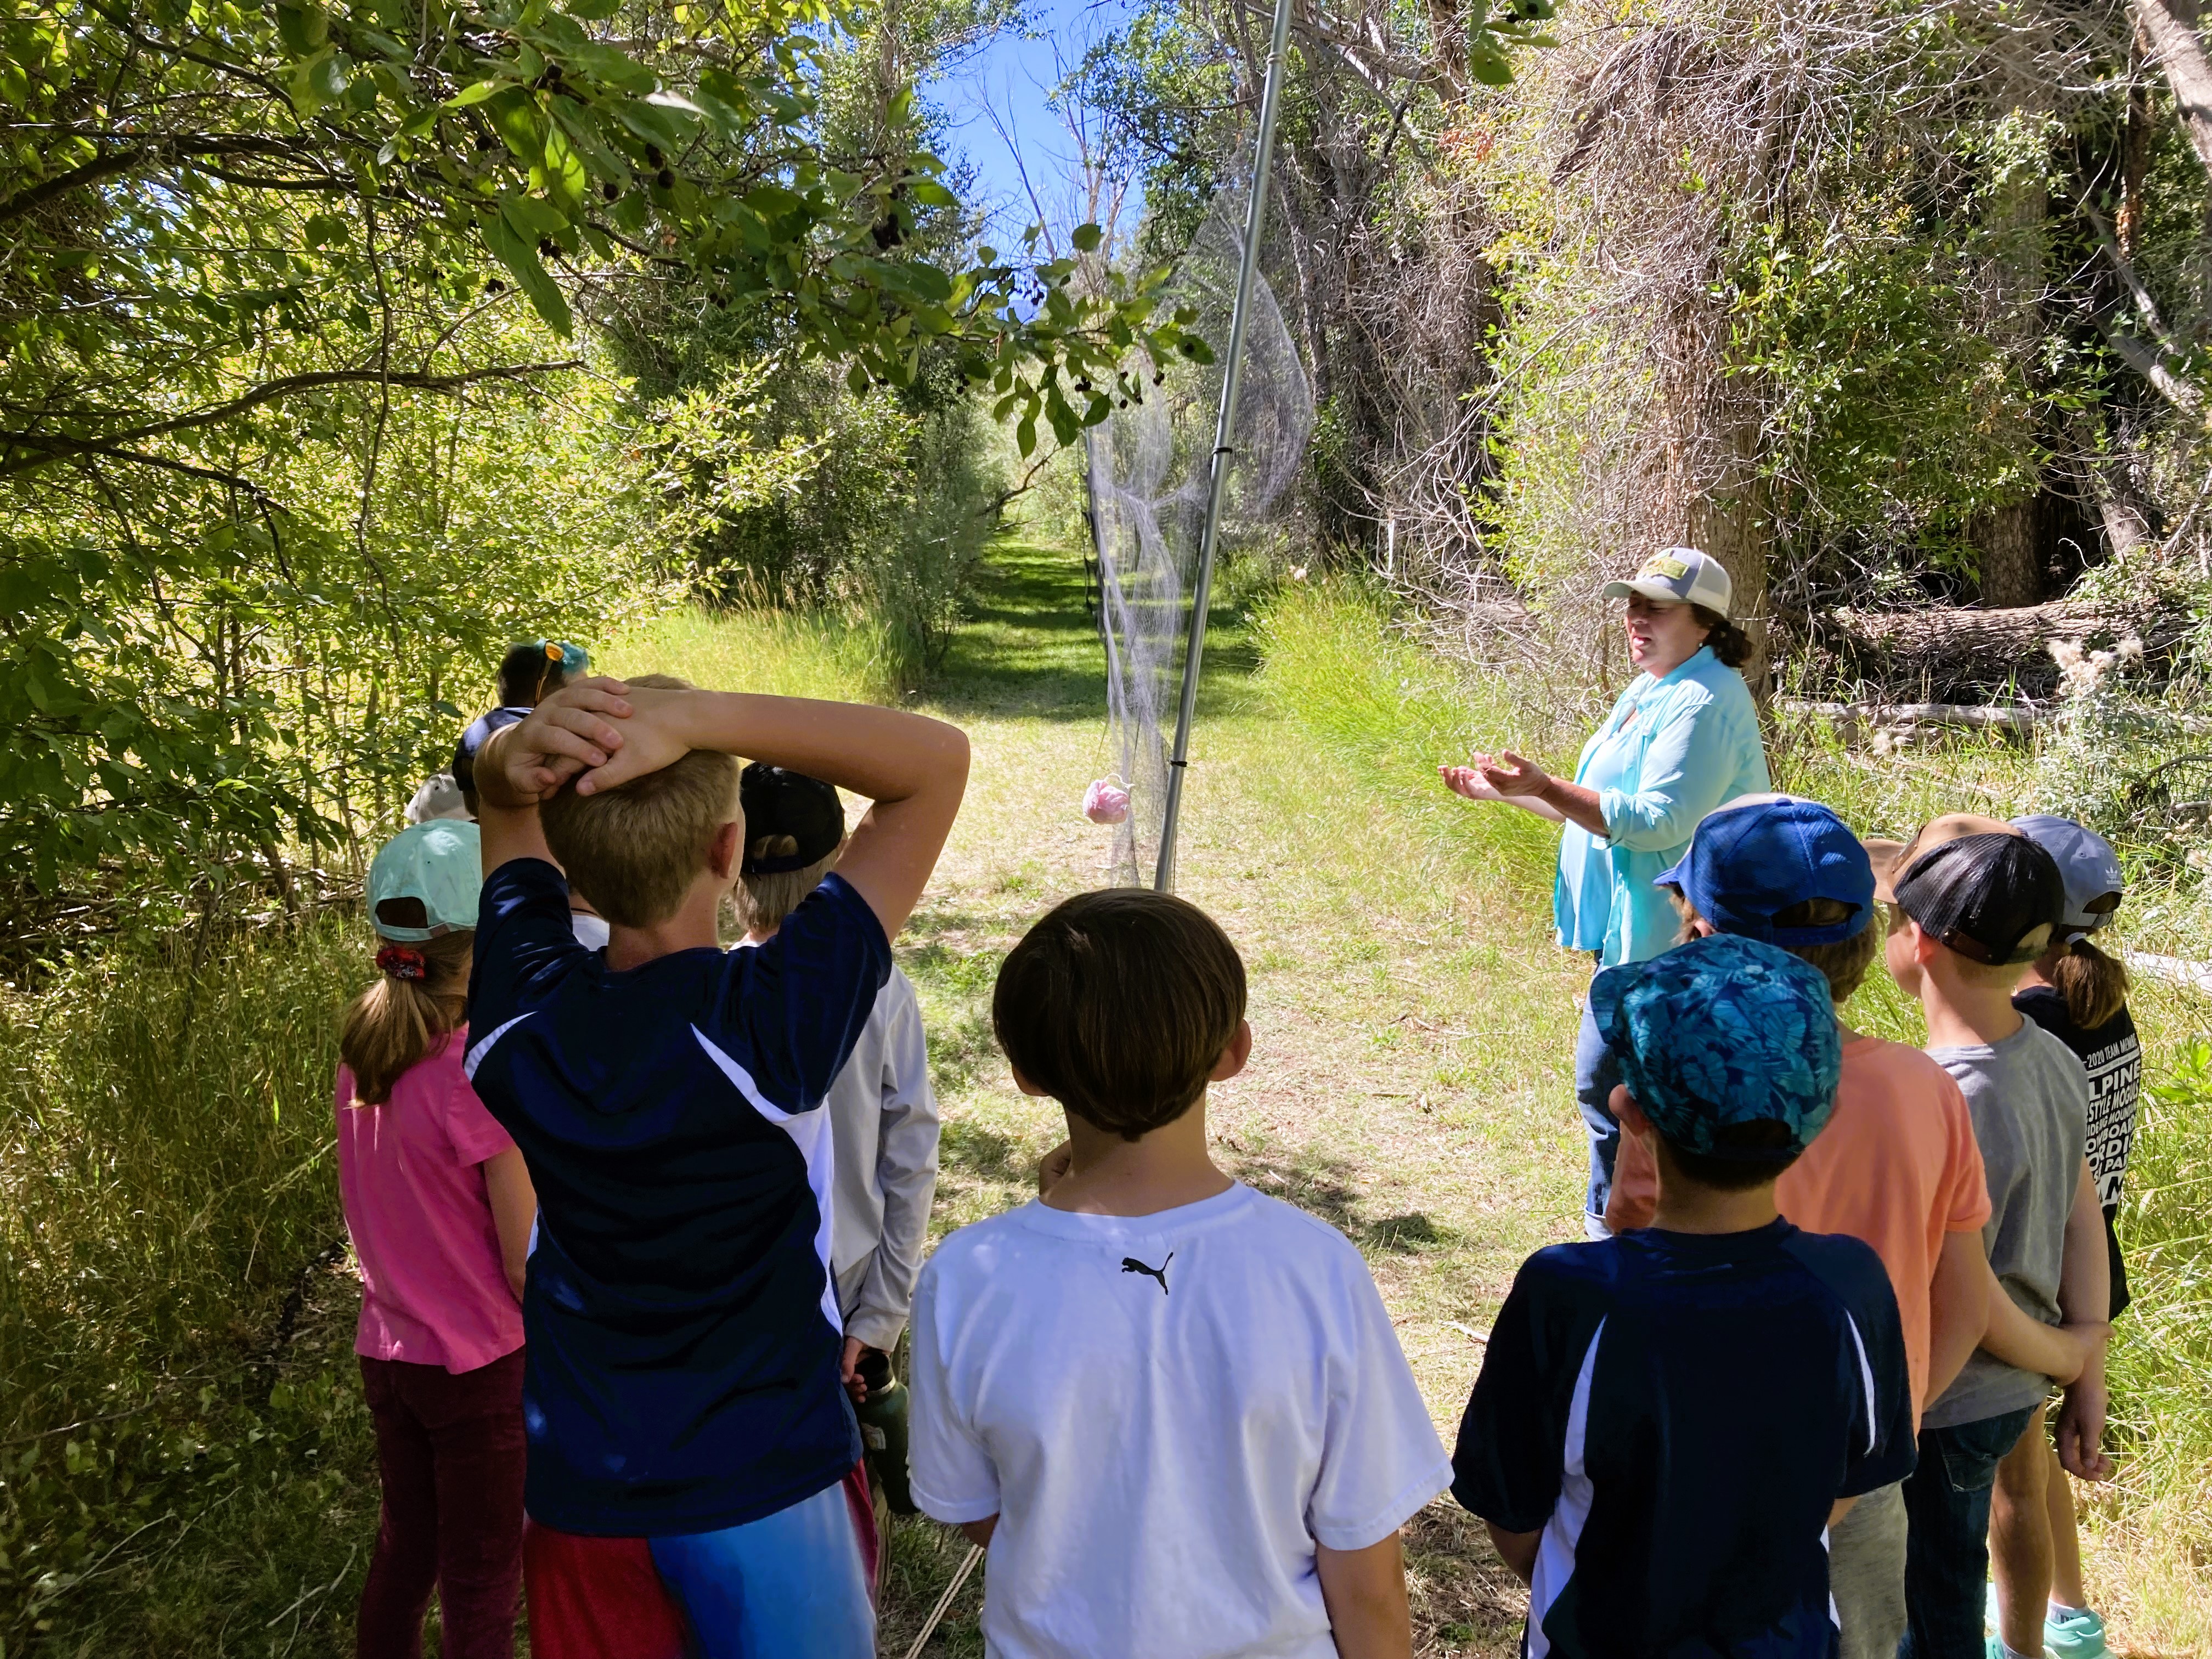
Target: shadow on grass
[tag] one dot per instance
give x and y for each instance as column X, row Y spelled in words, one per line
column 1328, row 1187
column 1030, row 646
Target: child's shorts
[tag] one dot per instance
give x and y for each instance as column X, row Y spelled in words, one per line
column 791, row 1585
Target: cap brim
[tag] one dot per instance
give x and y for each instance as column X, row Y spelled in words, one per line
column 1651, row 587
column 1883, row 853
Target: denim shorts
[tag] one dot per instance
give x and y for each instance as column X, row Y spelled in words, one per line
column 1947, row 1553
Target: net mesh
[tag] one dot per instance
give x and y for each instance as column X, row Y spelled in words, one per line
column 1148, row 469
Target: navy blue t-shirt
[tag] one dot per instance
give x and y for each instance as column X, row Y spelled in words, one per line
column 1675, row 1412
column 684, row 1337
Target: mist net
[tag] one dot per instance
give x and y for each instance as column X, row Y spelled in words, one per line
column 1148, row 480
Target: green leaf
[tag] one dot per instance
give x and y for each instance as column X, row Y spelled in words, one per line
column 531, row 217
column 564, row 171
column 1487, row 64
column 856, row 379
column 1025, row 435
column 303, row 29
column 474, row 95
column 520, row 257
column 1087, row 238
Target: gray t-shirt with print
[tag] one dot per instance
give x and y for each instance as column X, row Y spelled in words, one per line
column 2029, row 1098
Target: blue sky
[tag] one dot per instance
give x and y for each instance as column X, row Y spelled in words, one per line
column 1013, row 77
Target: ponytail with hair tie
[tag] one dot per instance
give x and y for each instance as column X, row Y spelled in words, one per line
column 420, row 996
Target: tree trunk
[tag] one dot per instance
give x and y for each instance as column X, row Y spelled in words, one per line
column 2012, row 564
column 2004, row 537
column 2180, row 55
column 1728, row 518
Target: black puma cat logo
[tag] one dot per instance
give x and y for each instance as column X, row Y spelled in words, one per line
column 1131, row 1265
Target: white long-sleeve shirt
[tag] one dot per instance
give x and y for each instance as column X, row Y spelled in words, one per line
column 882, row 1132
column 883, row 1124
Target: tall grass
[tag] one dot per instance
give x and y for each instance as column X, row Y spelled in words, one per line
column 1335, row 664
column 166, row 1197
column 1330, row 663
column 787, row 653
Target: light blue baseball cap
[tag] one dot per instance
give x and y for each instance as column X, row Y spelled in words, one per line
column 2087, row 866
column 1723, row 1031
column 440, row 863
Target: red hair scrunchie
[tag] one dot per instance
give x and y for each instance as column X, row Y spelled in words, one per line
column 402, row 963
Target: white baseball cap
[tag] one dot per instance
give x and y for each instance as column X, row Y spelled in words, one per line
column 1679, row 575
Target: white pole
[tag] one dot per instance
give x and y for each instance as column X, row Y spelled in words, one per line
column 1231, row 383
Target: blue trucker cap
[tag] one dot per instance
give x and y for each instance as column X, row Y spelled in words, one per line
column 1723, row 1030
column 1763, row 853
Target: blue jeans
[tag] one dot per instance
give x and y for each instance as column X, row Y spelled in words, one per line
column 1597, row 1072
column 1947, row 1550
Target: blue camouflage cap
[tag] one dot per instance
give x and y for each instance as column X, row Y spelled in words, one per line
column 1724, row 1030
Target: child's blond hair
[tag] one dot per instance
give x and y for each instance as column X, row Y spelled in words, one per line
column 760, row 903
column 634, row 850
column 1844, row 964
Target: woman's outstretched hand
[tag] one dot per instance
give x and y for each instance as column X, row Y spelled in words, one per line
column 1504, row 777
column 1509, row 775
column 1495, row 777
column 1466, row 780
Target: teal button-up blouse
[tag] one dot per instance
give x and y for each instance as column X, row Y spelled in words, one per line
column 1672, row 751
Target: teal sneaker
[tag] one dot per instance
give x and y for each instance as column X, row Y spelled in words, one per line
column 2075, row 1635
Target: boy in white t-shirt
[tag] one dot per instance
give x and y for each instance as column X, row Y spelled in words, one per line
column 1174, row 1408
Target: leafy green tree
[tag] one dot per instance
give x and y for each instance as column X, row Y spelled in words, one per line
column 245, row 250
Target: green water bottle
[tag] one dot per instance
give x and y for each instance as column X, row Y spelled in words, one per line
column 883, row 1428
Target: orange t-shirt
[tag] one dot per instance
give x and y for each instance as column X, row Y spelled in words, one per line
column 1896, row 1166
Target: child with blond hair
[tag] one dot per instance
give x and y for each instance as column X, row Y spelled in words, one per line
column 692, row 1450
column 439, row 1207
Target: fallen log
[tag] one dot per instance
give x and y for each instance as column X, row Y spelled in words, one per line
column 1854, row 720
column 1953, row 651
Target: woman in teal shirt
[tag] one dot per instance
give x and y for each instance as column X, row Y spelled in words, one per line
column 1683, row 738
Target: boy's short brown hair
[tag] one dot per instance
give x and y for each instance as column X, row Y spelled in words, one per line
column 1844, row 963
column 1119, row 1005
column 634, row 850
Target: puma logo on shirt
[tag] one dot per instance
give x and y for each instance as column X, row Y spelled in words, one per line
column 1131, row 1265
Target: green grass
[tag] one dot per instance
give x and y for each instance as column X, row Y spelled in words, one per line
column 785, row 654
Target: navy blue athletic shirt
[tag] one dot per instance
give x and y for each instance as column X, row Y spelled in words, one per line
column 1675, row 1412
column 683, row 1343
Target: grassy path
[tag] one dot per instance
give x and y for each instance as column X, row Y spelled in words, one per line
column 1405, row 1081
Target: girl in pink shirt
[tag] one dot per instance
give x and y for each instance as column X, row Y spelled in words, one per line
column 440, row 1207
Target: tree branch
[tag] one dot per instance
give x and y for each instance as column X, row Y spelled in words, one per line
column 129, row 158
column 53, row 447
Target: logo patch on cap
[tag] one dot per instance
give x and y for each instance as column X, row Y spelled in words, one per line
column 1661, row 564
